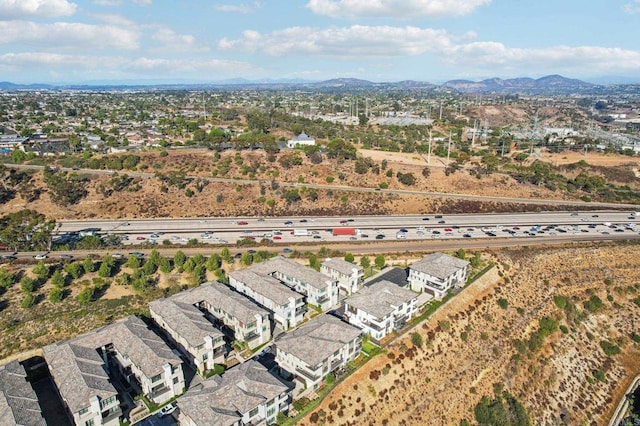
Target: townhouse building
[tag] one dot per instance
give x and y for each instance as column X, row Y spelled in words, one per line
column 437, row 273
column 317, row 348
column 192, row 333
column 247, row 394
column 381, row 308
column 18, row 402
column 348, row 276
column 236, row 315
column 319, row 289
column 288, row 307
column 127, row 352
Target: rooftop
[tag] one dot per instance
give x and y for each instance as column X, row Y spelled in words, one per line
column 224, row 298
column 292, row 269
column 439, row 265
column 318, row 339
column 265, row 285
column 18, row 402
column 341, row 265
column 222, row 400
column 381, row 298
column 396, row 275
column 186, row 320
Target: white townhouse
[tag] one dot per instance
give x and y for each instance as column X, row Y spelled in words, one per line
column 18, row 401
column 437, row 273
column 237, row 316
column 349, row 277
column 319, row 289
column 80, row 369
column 288, row 307
column 192, row 333
column 246, row 394
column 317, row 348
column 381, row 308
column 302, row 139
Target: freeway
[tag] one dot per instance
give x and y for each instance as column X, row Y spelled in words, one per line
column 431, row 194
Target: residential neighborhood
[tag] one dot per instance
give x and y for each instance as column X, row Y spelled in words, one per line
column 220, row 333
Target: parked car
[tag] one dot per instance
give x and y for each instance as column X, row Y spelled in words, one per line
column 66, row 256
column 140, row 238
column 136, row 254
column 277, row 237
column 242, row 222
column 288, row 223
column 166, row 410
column 117, row 255
column 287, row 250
column 40, row 256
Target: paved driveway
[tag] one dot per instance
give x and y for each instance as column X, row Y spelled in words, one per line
column 154, row 420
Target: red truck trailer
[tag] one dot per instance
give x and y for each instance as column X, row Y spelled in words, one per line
column 344, row 231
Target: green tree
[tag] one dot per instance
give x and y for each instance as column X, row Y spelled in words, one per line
column 27, row 285
column 57, row 279
column 133, row 262
column 56, row 295
column 246, row 259
column 26, row 230
column 226, row 255
column 41, row 270
column 461, row 254
column 349, row 257
column 165, row 265
column 179, row 258
column 74, row 270
column 365, row 262
column 106, row 267
column 6, row 278
column 416, row 339
column 213, row 262
column 379, row 261
column 86, row 295
column 88, row 265
column 314, row 262
column 28, row 301
column 149, row 267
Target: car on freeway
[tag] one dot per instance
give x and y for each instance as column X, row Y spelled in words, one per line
column 175, row 237
column 287, row 250
column 243, row 222
column 574, row 214
column 595, row 215
column 303, row 220
column 344, row 222
column 466, row 235
column 166, row 410
column 448, row 229
column 277, row 237
column 136, row 254
column 66, row 256
column 435, row 231
column 288, row 223
column 8, row 257
column 364, row 235
column 438, row 216
column 425, row 218
column 380, row 237
column 125, row 223
column 260, row 219
column 117, row 255
column 441, row 222
column 403, row 230
column 353, row 238
column 140, row 238
column 317, row 237
column 490, row 234
column 41, row 256
column 154, row 236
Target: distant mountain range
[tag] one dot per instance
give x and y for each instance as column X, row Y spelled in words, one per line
column 544, row 85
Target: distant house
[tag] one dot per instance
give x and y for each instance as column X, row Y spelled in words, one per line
column 247, row 394
column 18, row 402
column 317, row 348
column 301, row 139
column 381, row 308
column 82, row 369
column 438, row 273
column 349, row 276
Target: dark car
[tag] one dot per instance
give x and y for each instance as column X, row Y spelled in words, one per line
column 441, row 222
column 379, row 237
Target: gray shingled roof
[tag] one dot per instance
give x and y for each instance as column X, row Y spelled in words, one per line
column 265, row 285
column 224, row 298
column 396, row 275
column 186, row 320
column 76, row 381
column 18, row 402
column 439, row 265
column 77, row 368
column 292, row 269
column 381, row 298
column 341, row 265
column 222, row 400
column 316, row 340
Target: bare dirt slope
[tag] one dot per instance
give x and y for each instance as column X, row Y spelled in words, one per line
column 469, row 347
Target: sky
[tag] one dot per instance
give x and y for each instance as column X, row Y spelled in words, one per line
column 199, row 41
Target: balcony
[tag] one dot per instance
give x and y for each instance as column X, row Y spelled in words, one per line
column 112, row 414
column 307, row 375
column 252, row 335
column 373, row 325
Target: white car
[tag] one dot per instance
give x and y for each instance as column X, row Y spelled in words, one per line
column 166, row 410
column 40, row 256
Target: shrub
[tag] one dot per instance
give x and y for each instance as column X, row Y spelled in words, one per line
column 503, row 303
column 27, row 285
column 28, row 301
column 56, row 294
column 609, row 348
column 86, row 295
column 594, row 304
column 561, row 302
column 416, row 339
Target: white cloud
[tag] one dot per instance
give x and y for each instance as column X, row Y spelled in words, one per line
column 91, row 67
column 16, row 9
column 632, row 8
column 571, row 60
column 63, row 35
column 238, row 8
column 114, row 19
column 399, row 9
column 107, row 2
column 143, row 2
column 357, row 41
column 171, row 41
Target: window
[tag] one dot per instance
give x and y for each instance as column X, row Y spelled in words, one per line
column 253, row 412
column 205, row 357
column 89, row 422
column 83, row 411
column 271, row 411
column 156, row 378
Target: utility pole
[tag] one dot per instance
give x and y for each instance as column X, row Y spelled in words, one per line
column 204, row 108
column 429, row 149
column 440, row 110
column 473, row 137
column 449, row 148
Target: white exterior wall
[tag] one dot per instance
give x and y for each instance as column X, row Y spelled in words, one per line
column 380, row 327
column 314, row 295
column 95, row 411
column 349, row 284
column 419, row 281
column 262, row 326
column 166, row 379
column 287, row 316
